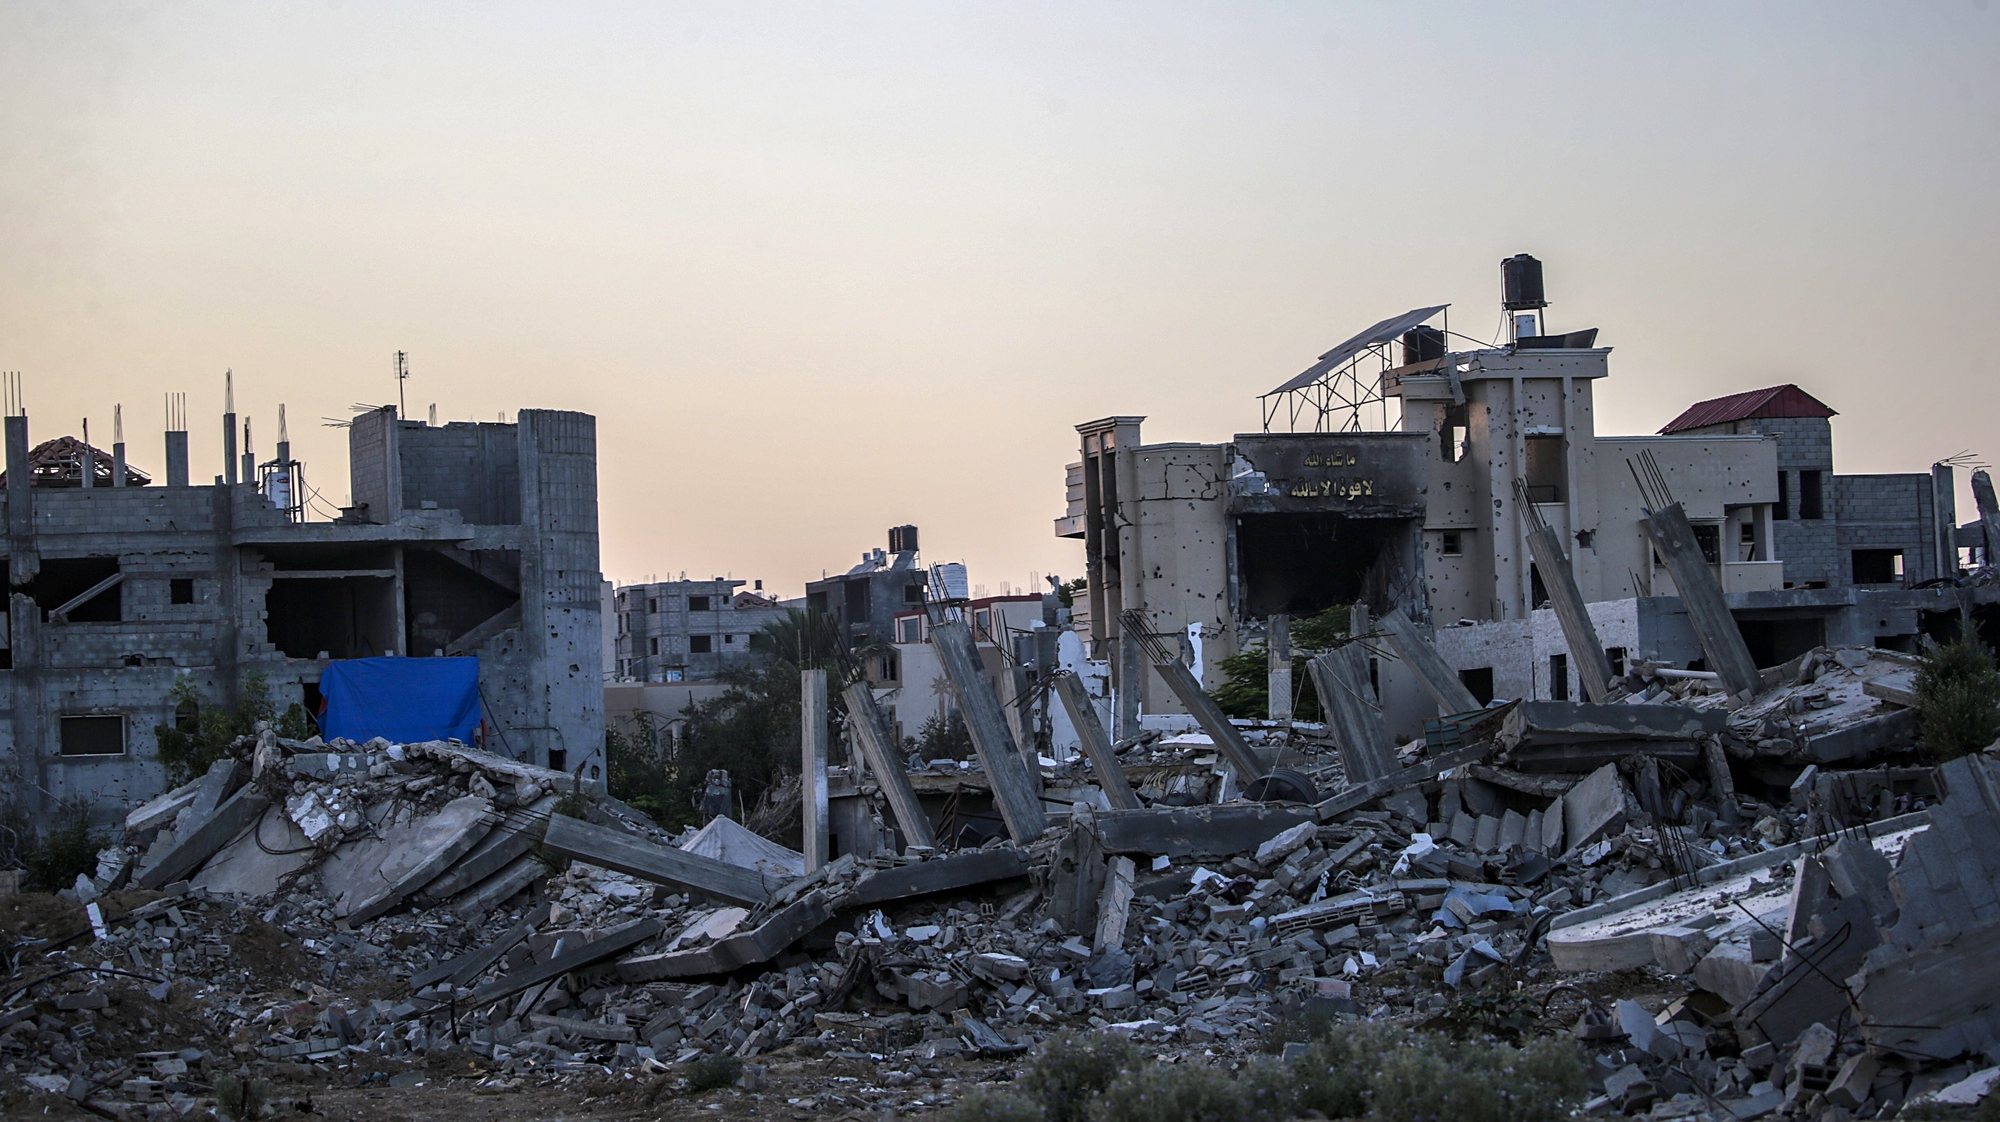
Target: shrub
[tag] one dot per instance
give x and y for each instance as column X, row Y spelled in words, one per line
column 1336, row 1075
column 68, row 847
column 1190, row 1093
column 1388, row 1074
column 1072, row 1068
column 992, row 1105
column 1958, row 695
column 712, row 1072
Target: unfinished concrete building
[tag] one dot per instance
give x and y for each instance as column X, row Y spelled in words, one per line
column 863, row 601
column 1432, row 515
column 463, row 539
column 688, row 630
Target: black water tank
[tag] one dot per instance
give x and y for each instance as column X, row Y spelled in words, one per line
column 902, row 539
column 1422, row 344
column 1521, row 283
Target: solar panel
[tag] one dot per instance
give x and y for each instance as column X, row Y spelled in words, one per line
column 1380, row 333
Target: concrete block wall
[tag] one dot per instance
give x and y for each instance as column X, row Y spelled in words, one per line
column 471, row 467
column 561, row 624
column 1888, row 512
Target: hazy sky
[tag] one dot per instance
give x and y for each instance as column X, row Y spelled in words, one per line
column 820, row 270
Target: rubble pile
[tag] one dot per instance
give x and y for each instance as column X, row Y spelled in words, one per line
column 1800, row 904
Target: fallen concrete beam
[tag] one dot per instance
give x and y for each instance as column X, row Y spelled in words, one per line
column 200, row 842
column 1348, row 702
column 871, row 735
column 513, row 838
column 1894, row 730
column 1701, row 594
column 1096, row 743
column 162, row 809
column 1593, row 666
column 1015, row 789
column 1578, row 736
column 462, row 969
column 61, row 614
column 576, row 958
column 473, row 905
column 661, row 864
column 1422, row 656
column 760, row 944
column 1195, row 831
column 1360, row 795
column 939, row 874
column 1212, row 720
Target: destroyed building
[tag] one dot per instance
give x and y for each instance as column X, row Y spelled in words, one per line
column 688, row 630
column 462, row 540
column 1433, row 517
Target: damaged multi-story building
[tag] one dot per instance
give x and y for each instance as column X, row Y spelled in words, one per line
column 1200, row 544
column 465, row 539
column 688, row 630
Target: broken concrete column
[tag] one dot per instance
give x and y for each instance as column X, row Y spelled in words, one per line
column 1095, row 742
column 1701, row 594
column 1278, row 646
column 1347, row 699
column 812, row 763
column 1210, row 717
column 1593, row 667
column 871, row 736
column 1422, row 656
column 1015, row 791
column 661, row 864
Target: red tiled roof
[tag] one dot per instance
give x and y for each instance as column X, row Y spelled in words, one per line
column 1773, row 401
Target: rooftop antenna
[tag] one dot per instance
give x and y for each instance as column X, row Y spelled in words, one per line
column 117, row 424
column 402, row 375
column 11, row 381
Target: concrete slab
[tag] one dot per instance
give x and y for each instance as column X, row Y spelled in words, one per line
column 259, row 859
column 201, row 841
column 1593, row 807
column 369, row 876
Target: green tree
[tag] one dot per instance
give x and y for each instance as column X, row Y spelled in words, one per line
column 1245, row 689
column 1958, row 695
column 202, row 734
column 752, row 729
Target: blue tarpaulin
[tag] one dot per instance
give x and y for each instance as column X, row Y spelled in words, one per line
column 404, row 700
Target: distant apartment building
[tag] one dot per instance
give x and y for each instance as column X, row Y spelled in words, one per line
column 688, row 630
column 863, row 602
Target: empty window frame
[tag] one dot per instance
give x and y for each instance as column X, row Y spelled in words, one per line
column 1559, row 677
column 698, row 604
column 701, row 644
column 1812, row 486
column 1479, row 682
column 1782, row 512
column 1452, row 431
column 95, row 734
column 1546, row 467
column 1708, row 536
column 1451, row 543
column 1617, row 657
column 1877, row 566
column 180, row 590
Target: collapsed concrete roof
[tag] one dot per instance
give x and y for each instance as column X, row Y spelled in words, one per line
column 59, row 463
